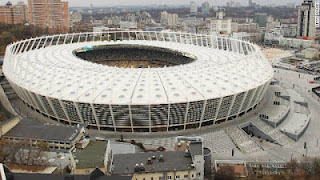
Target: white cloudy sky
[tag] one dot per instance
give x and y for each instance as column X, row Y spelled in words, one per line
column 162, row 2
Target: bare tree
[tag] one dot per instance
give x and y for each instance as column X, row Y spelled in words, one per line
column 293, row 167
column 23, row 152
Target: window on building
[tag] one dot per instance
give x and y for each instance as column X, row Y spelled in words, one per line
column 192, row 175
column 161, row 178
column 198, row 174
column 169, row 177
column 178, row 177
column 186, row 176
column 151, row 178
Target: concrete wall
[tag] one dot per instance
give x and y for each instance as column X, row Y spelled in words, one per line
column 9, row 125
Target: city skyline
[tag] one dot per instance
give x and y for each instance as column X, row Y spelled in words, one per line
column 97, row 3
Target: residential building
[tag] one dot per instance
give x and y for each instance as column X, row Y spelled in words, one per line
column 128, row 25
column 13, row 14
column 75, row 18
column 52, row 15
column 173, row 20
column 154, row 165
column 23, row 9
column 96, row 174
column 248, row 27
column 190, row 161
column 92, row 157
column 271, row 23
column 169, row 19
column 306, row 19
column 221, row 13
column 233, row 4
column 222, row 26
column 205, row 8
column 164, row 17
column 191, row 21
column 34, row 132
column 193, row 9
column 83, row 26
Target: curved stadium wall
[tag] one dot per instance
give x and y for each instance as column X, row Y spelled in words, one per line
column 228, row 78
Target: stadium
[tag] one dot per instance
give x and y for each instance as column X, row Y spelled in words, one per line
column 138, row 81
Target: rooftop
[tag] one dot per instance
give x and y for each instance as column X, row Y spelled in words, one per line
column 124, row 148
column 196, row 148
column 215, row 73
column 92, row 156
column 95, row 175
column 33, row 129
column 173, row 161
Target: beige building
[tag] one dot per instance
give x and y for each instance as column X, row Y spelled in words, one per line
column 13, row 14
column 221, row 26
column 50, row 14
column 169, row 19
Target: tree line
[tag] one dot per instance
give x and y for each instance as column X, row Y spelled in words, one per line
column 13, row 32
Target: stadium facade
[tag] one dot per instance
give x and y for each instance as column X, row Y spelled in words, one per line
column 208, row 80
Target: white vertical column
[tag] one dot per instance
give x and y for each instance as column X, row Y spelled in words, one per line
column 217, row 110
column 202, row 113
column 242, row 103
column 150, row 124
column 186, row 116
column 253, row 95
column 168, row 117
column 42, row 104
column 175, row 37
column 53, row 109
column 58, row 40
column 95, row 116
column 34, row 43
column 34, row 101
column 14, row 48
column 72, row 37
column 87, row 34
column 157, row 36
column 21, row 49
column 65, row 111
column 45, row 41
column 51, row 40
column 130, row 114
column 79, row 38
column 65, row 38
column 113, row 120
column 78, row 112
column 27, row 48
column 150, row 36
column 196, row 39
column 231, row 105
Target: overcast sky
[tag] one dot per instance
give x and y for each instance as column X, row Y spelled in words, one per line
column 74, row 3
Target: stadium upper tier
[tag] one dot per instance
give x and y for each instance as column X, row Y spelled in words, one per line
column 45, row 72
